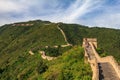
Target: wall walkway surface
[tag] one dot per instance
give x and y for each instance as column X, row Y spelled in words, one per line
column 96, row 61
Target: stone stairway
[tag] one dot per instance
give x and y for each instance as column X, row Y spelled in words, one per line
column 107, row 72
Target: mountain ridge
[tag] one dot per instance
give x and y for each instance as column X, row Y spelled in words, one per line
column 17, row 39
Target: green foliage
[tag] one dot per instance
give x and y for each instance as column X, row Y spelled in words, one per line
column 108, row 39
column 101, row 52
column 70, row 66
column 24, row 38
column 16, row 41
column 54, row 52
column 42, row 67
column 1, row 71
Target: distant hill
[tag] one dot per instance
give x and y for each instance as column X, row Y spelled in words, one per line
column 17, row 39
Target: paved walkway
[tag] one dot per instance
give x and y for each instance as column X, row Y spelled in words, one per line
column 107, row 72
column 90, row 52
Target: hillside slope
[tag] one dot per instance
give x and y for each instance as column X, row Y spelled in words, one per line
column 40, row 34
column 16, row 40
column 108, row 39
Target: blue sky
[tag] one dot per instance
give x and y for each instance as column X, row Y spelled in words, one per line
column 103, row 13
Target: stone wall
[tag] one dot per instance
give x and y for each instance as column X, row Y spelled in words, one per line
column 46, row 57
column 22, row 24
column 95, row 52
column 94, row 65
column 109, row 59
column 95, row 69
column 94, row 62
column 93, row 40
column 31, row 53
column 113, row 62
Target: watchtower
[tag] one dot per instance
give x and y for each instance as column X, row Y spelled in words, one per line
column 93, row 40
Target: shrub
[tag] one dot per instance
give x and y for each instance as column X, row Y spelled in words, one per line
column 42, row 67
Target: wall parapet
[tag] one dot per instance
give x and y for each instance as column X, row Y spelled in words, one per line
column 95, row 69
column 94, row 65
column 94, row 62
column 113, row 62
column 109, row 59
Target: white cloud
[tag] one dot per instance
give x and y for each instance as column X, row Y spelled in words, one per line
column 10, row 5
column 53, row 10
column 109, row 18
column 85, row 7
column 106, row 20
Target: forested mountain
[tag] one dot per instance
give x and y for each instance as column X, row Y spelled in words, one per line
column 108, row 39
column 17, row 39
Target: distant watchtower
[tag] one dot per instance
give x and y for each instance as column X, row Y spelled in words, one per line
column 93, row 40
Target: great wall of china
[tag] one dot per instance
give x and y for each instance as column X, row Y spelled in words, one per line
column 105, row 68
column 22, row 24
column 43, row 55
